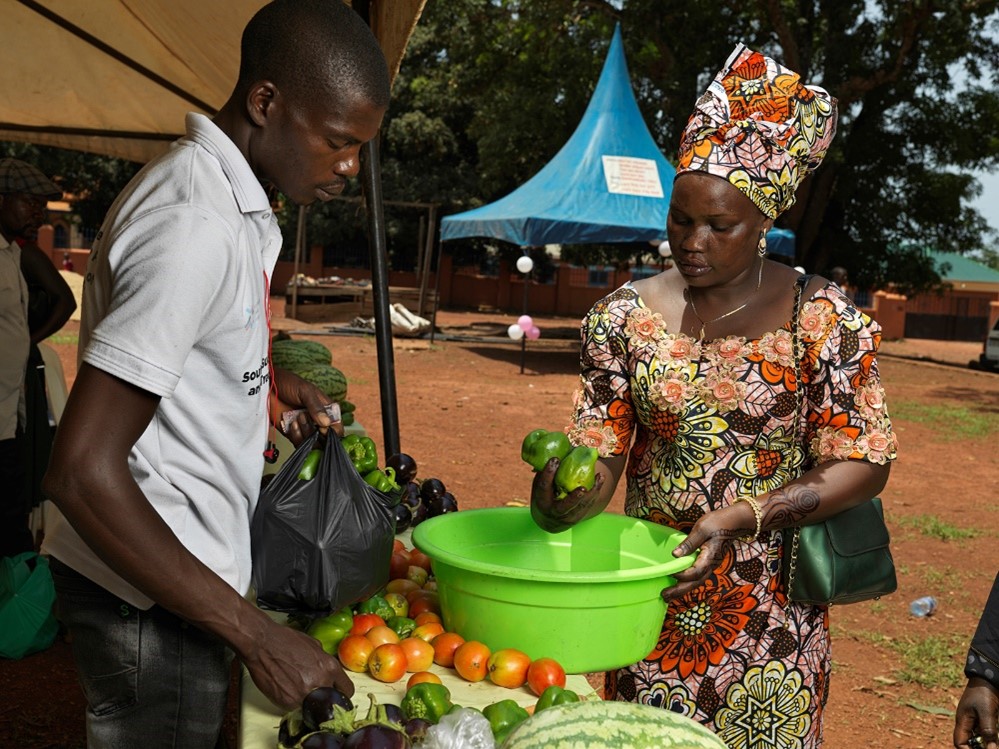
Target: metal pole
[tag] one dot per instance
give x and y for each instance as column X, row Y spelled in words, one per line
column 299, row 243
column 372, row 187
column 523, row 338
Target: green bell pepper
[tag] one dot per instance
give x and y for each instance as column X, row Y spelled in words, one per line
column 555, row 695
column 362, row 451
column 401, row 625
column 540, row 446
column 310, row 465
column 426, row 700
column 503, row 717
column 577, row 469
column 384, row 481
column 376, row 605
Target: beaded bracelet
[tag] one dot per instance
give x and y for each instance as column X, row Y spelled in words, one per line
column 758, row 514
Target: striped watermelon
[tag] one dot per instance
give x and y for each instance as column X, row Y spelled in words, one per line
column 295, row 354
column 328, row 379
column 596, row 724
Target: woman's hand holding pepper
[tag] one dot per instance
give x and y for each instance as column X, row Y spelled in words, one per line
column 713, row 533
column 556, row 515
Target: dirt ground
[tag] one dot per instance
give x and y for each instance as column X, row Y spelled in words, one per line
column 464, row 405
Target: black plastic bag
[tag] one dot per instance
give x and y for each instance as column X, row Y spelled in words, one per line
column 323, row 543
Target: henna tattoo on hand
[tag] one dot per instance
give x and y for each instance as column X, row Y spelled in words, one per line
column 786, row 507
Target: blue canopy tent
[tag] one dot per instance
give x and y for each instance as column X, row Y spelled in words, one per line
column 608, row 183
column 781, row 242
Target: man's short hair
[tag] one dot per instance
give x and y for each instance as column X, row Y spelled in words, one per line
column 312, row 48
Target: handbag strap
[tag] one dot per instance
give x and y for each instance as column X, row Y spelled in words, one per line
column 799, row 399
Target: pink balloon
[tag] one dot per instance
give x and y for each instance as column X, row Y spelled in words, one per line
column 533, row 333
column 525, row 322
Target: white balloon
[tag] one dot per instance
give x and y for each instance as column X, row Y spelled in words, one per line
column 525, row 264
column 799, row 269
column 664, row 249
column 515, row 332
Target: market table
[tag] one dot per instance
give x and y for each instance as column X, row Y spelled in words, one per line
column 259, row 718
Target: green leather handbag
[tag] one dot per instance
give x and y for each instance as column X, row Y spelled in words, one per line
column 846, row 558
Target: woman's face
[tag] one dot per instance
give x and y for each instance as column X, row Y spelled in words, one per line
column 713, row 229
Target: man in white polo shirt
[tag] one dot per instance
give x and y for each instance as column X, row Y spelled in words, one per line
column 157, row 463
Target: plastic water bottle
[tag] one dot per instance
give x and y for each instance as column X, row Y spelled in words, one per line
column 924, row 606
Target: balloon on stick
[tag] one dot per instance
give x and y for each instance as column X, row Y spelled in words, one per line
column 533, row 333
column 525, row 322
column 525, row 264
column 515, row 332
column 664, row 249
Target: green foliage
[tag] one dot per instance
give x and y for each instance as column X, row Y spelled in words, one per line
column 933, row 527
column 93, row 181
column 491, row 89
column 951, row 423
column 932, row 661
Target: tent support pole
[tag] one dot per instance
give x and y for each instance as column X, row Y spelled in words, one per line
column 372, row 186
column 437, row 287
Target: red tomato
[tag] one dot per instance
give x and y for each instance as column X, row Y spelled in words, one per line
column 420, row 559
column 543, row 673
column 399, row 566
column 387, row 662
column 364, row 622
column 471, row 660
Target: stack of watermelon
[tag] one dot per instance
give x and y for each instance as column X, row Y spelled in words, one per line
column 313, row 362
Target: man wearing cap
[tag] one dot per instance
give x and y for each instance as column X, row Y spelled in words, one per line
column 24, row 192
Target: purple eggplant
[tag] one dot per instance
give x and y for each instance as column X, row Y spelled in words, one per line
column 403, row 517
column 404, row 466
column 411, row 494
column 420, row 513
column 431, row 488
column 325, row 704
column 323, row 740
column 442, row 505
column 416, row 729
column 377, row 737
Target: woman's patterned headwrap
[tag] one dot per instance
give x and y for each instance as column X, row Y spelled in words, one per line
column 760, row 128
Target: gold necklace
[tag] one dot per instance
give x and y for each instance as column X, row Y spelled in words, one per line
column 690, row 300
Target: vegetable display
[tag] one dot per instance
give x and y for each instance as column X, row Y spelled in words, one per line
column 362, row 451
column 540, row 446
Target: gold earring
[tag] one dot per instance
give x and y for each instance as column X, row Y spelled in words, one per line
column 761, row 248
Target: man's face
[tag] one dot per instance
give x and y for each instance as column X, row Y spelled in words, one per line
column 310, row 151
column 20, row 213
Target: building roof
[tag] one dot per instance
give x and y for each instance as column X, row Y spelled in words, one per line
column 963, row 268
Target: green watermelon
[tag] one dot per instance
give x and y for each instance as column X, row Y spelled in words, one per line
column 295, row 354
column 327, row 378
column 596, row 724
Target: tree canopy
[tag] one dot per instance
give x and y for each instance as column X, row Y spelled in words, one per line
column 491, row 89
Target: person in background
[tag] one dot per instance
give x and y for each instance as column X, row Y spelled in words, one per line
column 839, row 276
column 156, row 465
column 67, row 262
column 24, row 192
column 977, row 715
column 688, row 384
column 50, row 305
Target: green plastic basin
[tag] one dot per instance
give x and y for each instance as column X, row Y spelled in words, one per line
column 587, row 597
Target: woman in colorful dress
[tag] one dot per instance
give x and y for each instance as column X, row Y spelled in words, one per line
column 689, row 385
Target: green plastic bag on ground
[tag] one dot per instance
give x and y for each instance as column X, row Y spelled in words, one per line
column 27, row 593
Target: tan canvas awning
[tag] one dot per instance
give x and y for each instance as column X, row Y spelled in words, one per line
column 117, row 76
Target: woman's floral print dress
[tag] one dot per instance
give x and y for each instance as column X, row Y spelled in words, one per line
column 709, row 422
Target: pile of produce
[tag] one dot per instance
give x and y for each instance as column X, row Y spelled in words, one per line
column 398, row 633
column 313, row 362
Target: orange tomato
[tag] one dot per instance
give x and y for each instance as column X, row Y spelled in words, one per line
column 428, row 631
column 354, row 652
column 419, row 653
column 543, row 673
column 387, row 662
column 399, row 565
column 381, row 634
column 426, row 617
column 471, row 660
column 364, row 622
column 508, row 668
column 444, row 646
column 422, row 676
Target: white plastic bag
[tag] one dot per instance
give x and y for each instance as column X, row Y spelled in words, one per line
column 463, row 728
